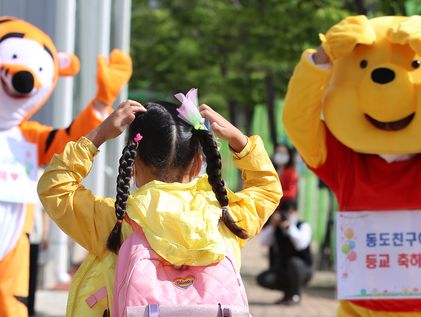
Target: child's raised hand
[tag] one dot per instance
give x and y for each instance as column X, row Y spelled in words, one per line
column 116, row 122
column 224, row 129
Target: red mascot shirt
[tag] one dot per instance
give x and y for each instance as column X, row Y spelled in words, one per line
column 367, row 182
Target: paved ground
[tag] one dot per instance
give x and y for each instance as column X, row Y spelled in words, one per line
column 318, row 299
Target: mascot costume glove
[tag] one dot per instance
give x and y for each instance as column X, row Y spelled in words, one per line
column 113, row 76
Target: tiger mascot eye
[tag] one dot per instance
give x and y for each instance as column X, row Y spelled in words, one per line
column 29, row 68
column 353, row 110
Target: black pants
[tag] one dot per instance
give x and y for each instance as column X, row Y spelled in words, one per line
column 33, row 274
column 289, row 279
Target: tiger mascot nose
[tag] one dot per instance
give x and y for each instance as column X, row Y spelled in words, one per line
column 20, row 79
column 23, row 82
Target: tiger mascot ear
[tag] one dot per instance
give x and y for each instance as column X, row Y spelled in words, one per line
column 68, row 64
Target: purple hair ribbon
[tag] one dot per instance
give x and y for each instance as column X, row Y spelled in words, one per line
column 189, row 109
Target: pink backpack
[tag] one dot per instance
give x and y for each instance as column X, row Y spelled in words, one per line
column 147, row 285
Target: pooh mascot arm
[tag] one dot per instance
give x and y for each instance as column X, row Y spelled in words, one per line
column 111, row 77
column 302, row 110
column 308, row 85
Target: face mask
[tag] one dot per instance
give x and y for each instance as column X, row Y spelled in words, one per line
column 293, row 219
column 280, row 158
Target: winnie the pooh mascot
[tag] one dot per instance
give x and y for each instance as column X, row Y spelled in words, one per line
column 353, row 110
column 29, row 68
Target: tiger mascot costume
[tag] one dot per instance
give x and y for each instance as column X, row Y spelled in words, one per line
column 29, row 68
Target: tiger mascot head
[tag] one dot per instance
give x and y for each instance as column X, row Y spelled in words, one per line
column 29, row 68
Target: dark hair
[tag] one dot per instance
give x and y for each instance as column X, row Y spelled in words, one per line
column 168, row 147
column 287, row 204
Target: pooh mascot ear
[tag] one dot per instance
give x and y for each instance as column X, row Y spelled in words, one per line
column 342, row 38
column 68, row 64
column 407, row 32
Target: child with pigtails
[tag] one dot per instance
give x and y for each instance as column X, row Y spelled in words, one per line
column 172, row 246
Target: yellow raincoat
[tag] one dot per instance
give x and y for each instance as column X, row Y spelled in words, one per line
column 180, row 221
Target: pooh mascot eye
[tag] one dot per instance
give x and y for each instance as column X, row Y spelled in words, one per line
column 363, row 64
column 14, row 56
column 415, row 64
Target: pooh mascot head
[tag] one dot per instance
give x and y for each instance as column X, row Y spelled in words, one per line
column 29, row 68
column 353, row 110
column 373, row 102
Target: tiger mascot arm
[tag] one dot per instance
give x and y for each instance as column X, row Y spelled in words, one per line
column 111, row 77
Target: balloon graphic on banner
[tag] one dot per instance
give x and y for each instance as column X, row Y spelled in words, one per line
column 352, row 256
column 349, row 233
column 349, row 245
column 345, row 249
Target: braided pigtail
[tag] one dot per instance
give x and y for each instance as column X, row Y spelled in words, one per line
column 123, row 185
column 214, row 171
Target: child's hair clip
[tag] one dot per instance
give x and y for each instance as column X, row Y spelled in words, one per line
column 138, row 137
column 189, row 109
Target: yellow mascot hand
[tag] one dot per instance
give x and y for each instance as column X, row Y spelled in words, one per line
column 407, row 32
column 342, row 38
column 112, row 75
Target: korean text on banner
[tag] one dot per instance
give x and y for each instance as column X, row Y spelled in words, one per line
column 379, row 254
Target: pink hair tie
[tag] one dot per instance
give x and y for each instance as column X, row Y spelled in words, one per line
column 120, row 220
column 138, row 137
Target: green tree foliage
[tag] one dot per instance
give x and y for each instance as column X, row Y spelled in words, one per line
column 374, row 8
column 240, row 53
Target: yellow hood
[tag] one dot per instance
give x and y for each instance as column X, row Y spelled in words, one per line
column 180, row 221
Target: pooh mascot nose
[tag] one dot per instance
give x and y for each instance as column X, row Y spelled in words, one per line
column 23, row 82
column 382, row 75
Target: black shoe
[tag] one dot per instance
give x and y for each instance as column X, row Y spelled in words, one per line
column 289, row 300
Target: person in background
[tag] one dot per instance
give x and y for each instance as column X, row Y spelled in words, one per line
column 291, row 263
column 283, row 159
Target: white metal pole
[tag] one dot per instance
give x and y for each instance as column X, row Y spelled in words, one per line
column 94, row 39
column 65, row 42
column 120, row 38
column 62, row 116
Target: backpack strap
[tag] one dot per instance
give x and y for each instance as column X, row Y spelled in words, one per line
column 96, row 297
column 138, row 230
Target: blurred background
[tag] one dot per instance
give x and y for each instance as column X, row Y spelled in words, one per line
column 240, row 54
